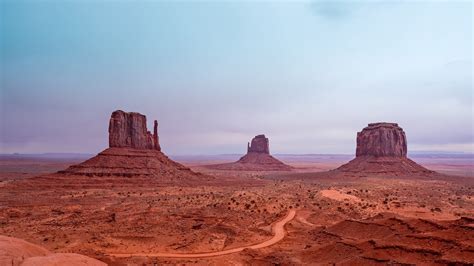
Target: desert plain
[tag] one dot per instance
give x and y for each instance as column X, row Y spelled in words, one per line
column 371, row 220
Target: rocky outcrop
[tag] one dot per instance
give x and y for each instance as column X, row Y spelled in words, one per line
column 15, row 251
column 258, row 158
column 259, row 144
column 382, row 150
column 382, row 139
column 128, row 130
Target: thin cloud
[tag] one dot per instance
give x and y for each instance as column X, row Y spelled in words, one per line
column 334, row 10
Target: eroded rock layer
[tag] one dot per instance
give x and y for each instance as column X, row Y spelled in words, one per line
column 364, row 165
column 130, row 162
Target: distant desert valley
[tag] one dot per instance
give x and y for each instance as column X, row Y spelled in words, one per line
column 131, row 204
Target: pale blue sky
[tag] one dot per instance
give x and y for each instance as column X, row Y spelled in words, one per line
column 307, row 74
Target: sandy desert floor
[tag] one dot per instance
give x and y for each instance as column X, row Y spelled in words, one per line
column 365, row 221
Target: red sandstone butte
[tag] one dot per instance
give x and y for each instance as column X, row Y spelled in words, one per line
column 128, row 130
column 259, row 144
column 258, row 158
column 133, row 151
column 382, row 149
column 382, row 139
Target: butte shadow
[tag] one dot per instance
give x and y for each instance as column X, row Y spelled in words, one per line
column 258, row 158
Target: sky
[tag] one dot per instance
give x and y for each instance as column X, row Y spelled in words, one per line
column 308, row 74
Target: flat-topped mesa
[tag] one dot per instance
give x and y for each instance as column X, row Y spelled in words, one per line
column 128, row 130
column 382, row 140
column 259, row 144
column 382, row 150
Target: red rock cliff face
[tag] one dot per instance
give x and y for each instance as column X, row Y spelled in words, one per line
column 259, row 144
column 382, row 140
column 128, row 130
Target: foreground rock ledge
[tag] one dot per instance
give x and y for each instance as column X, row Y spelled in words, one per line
column 15, row 252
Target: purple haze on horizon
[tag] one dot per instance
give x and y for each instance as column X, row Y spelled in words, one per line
column 308, row 75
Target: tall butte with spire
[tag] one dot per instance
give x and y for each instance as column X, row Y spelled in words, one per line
column 128, row 130
column 133, row 152
column 258, row 158
column 382, row 149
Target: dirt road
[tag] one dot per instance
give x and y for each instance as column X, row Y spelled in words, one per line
column 278, row 230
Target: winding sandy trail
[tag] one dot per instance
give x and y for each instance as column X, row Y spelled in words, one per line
column 278, row 230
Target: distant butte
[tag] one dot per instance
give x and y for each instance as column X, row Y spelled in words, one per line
column 133, row 152
column 382, row 149
column 258, row 158
column 259, row 144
